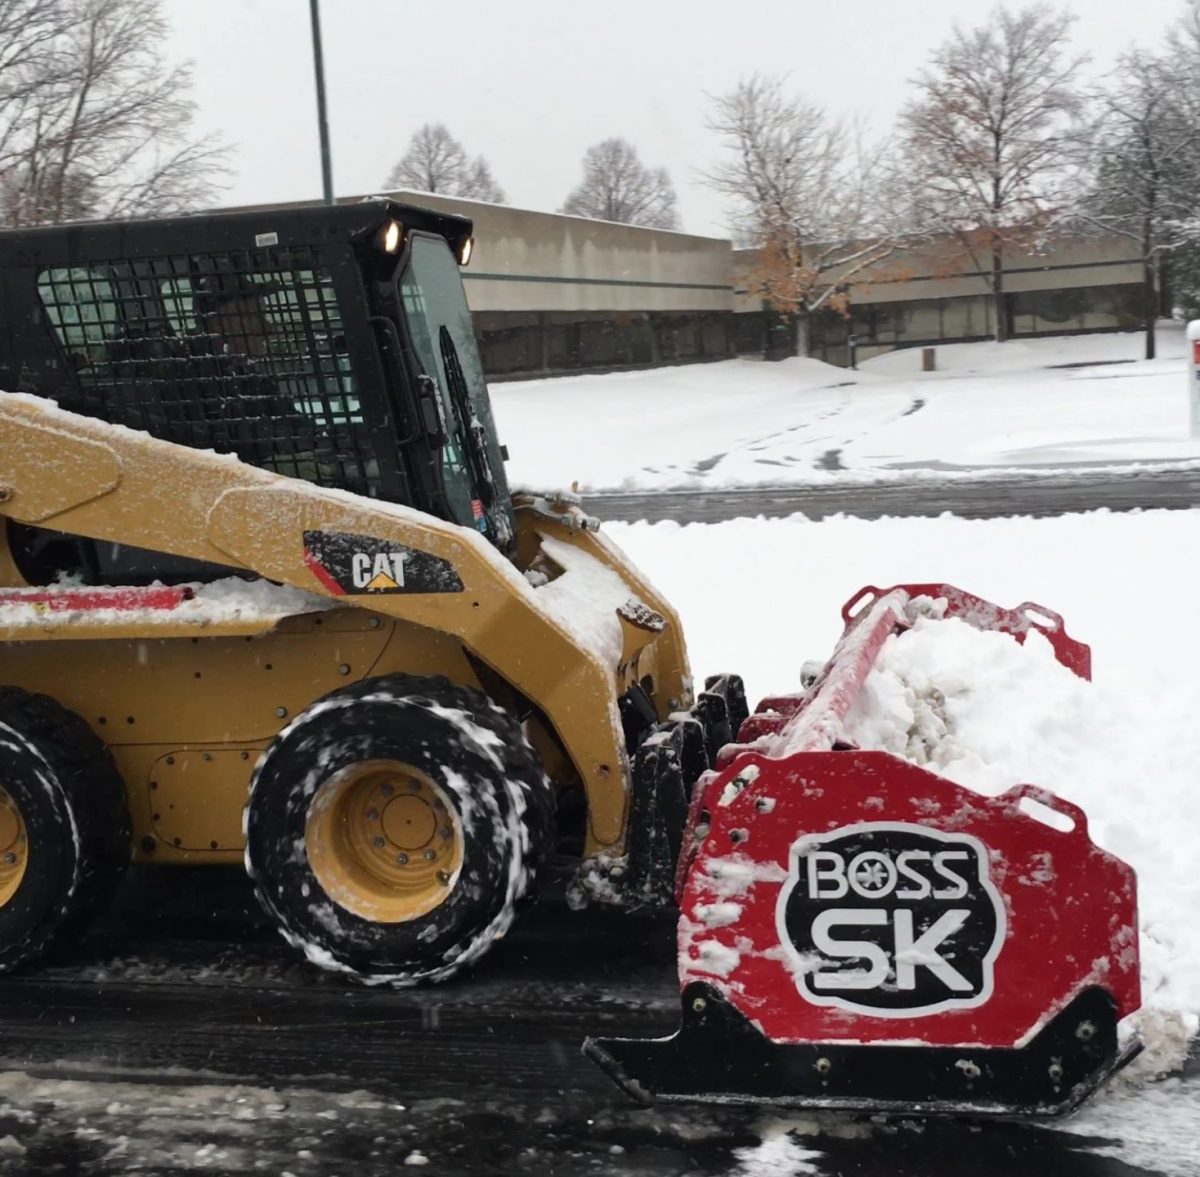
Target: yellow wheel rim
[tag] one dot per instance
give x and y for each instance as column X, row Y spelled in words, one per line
column 14, row 847
column 384, row 841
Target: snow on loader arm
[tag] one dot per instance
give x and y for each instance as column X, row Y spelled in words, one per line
column 857, row 932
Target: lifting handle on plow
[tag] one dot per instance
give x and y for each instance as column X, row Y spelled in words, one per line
column 857, row 932
column 1070, row 813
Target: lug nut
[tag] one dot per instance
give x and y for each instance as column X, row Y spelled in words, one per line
column 402, row 858
column 444, row 832
column 9, row 858
column 377, row 843
column 430, row 855
column 699, row 1005
column 415, row 786
column 823, row 1065
column 1085, row 1031
column 386, row 790
column 372, row 815
column 1055, row 1072
column 443, row 877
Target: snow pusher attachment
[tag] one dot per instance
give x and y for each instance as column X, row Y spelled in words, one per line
column 857, row 932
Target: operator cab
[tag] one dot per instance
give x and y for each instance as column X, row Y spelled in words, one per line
column 333, row 344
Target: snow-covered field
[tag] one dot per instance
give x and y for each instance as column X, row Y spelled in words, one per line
column 761, row 597
column 989, row 408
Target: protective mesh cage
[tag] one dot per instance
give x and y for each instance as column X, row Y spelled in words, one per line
column 242, row 352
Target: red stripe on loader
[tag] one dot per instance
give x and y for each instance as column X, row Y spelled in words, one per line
column 323, row 574
column 77, row 600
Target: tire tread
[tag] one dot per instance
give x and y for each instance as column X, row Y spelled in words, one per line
column 96, row 794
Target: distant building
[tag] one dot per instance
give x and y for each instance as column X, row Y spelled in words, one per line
column 934, row 294
column 553, row 294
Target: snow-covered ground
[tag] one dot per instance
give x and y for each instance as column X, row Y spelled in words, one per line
column 989, row 408
column 761, row 597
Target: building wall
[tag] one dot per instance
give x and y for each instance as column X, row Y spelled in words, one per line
column 532, row 261
column 938, row 293
column 554, row 294
column 941, row 269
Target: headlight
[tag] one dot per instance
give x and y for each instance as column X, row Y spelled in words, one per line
column 393, row 234
column 464, row 251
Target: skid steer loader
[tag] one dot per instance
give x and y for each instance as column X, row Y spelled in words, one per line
column 265, row 594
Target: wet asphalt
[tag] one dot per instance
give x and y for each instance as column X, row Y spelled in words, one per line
column 972, row 495
column 182, row 1036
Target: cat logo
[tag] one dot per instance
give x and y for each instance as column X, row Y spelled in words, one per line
column 362, row 565
column 383, row 572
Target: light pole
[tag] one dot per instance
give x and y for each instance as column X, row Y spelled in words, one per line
column 322, row 119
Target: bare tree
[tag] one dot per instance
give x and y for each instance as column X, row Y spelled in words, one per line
column 988, row 138
column 1179, row 265
column 1144, row 152
column 435, row 161
column 479, row 183
column 93, row 121
column 1183, row 52
column 617, row 186
column 806, row 192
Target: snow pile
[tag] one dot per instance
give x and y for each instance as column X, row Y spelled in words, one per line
column 977, row 707
column 584, row 599
column 236, row 599
column 982, row 710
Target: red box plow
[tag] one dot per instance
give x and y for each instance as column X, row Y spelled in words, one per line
column 857, row 932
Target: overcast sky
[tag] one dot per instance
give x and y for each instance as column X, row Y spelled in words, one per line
column 532, row 83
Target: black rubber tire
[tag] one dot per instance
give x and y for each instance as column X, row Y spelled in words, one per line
column 73, row 803
column 474, row 751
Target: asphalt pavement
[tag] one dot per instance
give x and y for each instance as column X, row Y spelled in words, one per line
column 183, row 1036
column 927, row 492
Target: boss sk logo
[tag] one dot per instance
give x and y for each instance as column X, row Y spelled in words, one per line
column 891, row 919
column 363, row 565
